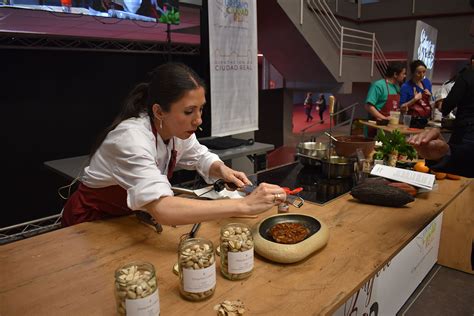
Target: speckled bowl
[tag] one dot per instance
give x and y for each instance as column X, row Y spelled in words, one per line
column 289, row 253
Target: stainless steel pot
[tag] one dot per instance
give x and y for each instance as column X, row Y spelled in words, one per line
column 337, row 167
column 313, row 149
column 308, row 161
column 332, row 167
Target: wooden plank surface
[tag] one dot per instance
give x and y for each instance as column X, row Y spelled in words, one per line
column 457, row 233
column 70, row 271
column 390, row 128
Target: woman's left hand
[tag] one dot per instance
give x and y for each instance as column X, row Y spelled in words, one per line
column 427, row 92
column 230, row 175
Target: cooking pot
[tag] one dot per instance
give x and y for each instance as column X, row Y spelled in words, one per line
column 308, row 160
column 346, row 146
column 332, row 167
column 313, row 149
column 337, row 167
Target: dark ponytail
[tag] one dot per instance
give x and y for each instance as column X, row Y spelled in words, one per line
column 169, row 83
column 134, row 104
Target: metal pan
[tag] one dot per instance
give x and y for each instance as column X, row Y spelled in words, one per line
column 338, row 167
column 333, row 167
column 308, row 160
column 313, row 149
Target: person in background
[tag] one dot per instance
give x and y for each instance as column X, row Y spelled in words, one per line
column 308, row 106
column 456, row 155
column 132, row 162
column 461, row 94
column 415, row 94
column 321, row 106
column 444, row 90
column 383, row 95
column 440, row 95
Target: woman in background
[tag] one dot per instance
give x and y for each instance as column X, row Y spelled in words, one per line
column 321, row 104
column 415, row 94
column 308, row 106
column 132, row 162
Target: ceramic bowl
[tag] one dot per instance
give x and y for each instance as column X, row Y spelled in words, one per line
column 288, row 253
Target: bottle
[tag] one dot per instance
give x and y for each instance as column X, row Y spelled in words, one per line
column 237, row 251
column 197, row 269
column 136, row 290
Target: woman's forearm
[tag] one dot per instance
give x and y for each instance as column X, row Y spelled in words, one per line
column 173, row 210
column 409, row 103
column 374, row 112
column 215, row 171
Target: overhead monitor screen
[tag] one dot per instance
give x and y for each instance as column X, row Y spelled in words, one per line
column 161, row 11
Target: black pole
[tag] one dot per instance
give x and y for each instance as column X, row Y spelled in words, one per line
column 168, row 40
column 205, row 69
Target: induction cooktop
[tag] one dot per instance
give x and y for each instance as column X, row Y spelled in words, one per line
column 317, row 188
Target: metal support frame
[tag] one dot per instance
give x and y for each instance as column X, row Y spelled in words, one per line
column 28, row 41
column 301, row 11
column 30, row 228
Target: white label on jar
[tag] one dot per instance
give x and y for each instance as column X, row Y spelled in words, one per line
column 240, row 262
column 201, row 280
column 146, row 306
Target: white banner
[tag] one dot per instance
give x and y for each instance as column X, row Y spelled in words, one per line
column 234, row 66
column 387, row 291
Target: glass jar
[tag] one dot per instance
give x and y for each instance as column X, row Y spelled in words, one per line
column 197, row 269
column 283, row 208
column 236, row 251
column 136, row 290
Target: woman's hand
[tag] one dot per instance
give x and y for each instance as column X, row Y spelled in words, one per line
column 427, row 92
column 429, row 144
column 263, row 198
column 230, row 175
column 404, row 108
column 416, row 95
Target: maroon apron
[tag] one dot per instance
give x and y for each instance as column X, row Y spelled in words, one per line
column 89, row 204
column 422, row 107
column 392, row 104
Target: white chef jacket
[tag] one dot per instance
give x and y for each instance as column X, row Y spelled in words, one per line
column 134, row 159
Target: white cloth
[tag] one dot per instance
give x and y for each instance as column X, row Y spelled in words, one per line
column 443, row 91
column 129, row 157
column 441, row 94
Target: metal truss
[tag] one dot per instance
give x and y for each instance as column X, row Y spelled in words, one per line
column 27, row 41
column 30, row 229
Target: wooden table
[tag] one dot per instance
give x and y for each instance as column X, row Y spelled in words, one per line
column 391, row 127
column 70, row 271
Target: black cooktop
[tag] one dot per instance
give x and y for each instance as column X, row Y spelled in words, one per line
column 317, row 188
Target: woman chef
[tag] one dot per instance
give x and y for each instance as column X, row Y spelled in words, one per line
column 134, row 158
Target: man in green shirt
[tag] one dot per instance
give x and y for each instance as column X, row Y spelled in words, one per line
column 384, row 94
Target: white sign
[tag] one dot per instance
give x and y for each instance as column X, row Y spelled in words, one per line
column 418, row 179
column 425, row 46
column 234, row 66
column 387, row 291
